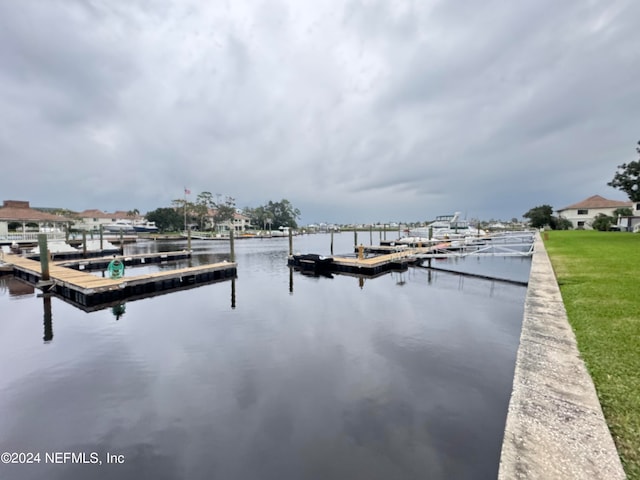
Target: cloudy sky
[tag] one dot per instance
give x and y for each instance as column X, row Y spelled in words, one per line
column 355, row 111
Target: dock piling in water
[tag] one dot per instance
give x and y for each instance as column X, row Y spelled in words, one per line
column 44, row 256
column 232, row 246
column 290, row 241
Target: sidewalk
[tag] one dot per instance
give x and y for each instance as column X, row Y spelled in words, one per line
column 555, row 427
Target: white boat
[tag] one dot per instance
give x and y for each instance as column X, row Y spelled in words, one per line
column 145, row 227
column 447, row 227
column 119, row 226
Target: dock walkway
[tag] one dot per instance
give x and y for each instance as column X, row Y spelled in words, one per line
column 86, row 289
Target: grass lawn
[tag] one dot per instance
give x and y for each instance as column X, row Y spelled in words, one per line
column 599, row 277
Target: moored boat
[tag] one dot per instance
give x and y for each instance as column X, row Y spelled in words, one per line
column 447, row 227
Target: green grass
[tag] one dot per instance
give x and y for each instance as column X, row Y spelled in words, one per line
column 599, row 277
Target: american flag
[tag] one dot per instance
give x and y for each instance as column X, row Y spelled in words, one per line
column 187, row 191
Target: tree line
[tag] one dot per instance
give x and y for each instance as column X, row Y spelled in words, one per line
column 209, row 211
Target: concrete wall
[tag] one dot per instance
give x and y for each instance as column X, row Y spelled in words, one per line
column 555, row 427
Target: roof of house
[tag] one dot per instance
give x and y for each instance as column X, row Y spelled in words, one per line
column 19, row 211
column 95, row 213
column 596, row 201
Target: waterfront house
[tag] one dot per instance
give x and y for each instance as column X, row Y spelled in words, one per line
column 27, row 221
column 240, row 222
column 92, row 219
column 582, row 214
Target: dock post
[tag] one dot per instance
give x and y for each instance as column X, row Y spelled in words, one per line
column 290, row 241
column 355, row 236
column 44, row 256
column 84, row 244
column 331, row 242
column 121, row 242
column 384, row 230
column 371, row 235
column 101, row 238
column 232, row 246
column 430, row 237
column 360, row 252
column 189, row 238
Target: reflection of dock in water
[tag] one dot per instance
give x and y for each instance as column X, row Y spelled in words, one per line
column 86, row 290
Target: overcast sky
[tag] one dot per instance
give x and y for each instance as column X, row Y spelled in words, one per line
column 355, row 111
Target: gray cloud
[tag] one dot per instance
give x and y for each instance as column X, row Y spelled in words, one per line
column 357, row 111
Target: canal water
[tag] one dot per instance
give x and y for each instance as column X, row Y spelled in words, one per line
column 275, row 375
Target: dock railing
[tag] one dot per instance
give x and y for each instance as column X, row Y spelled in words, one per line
column 31, row 236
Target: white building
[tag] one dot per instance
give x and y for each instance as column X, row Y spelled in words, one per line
column 632, row 223
column 92, row 219
column 582, row 214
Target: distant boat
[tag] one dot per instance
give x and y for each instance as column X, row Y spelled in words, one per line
column 119, row 226
column 447, row 226
column 145, row 227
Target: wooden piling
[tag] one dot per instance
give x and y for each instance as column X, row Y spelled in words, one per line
column 44, row 256
column 189, row 239
column 290, row 241
column 370, row 234
column 232, row 246
column 355, row 237
column 101, row 237
column 84, row 243
column 331, row 242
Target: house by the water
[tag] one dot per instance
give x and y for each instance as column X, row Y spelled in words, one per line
column 582, row 214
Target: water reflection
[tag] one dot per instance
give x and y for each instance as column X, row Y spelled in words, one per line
column 119, row 310
column 405, row 378
column 15, row 287
column 48, row 318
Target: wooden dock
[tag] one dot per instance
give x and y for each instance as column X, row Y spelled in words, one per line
column 128, row 260
column 368, row 266
column 88, row 290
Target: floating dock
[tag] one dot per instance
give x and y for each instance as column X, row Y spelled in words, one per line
column 371, row 266
column 100, row 263
column 88, row 290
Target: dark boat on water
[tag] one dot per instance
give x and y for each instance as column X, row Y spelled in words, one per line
column 311, row 262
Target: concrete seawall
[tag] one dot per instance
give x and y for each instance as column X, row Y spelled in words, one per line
column 555, row 427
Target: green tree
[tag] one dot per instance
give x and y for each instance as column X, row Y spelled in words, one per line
column 562, row 224
column 541, row 216
column 224, row 211
column 622, row 212
column 204, row 202
column 602, row 222
column 627, row 179
column 187, row 209
column 281, row 214
column 167, row 219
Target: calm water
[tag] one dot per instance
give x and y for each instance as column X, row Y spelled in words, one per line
column 406, row 376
